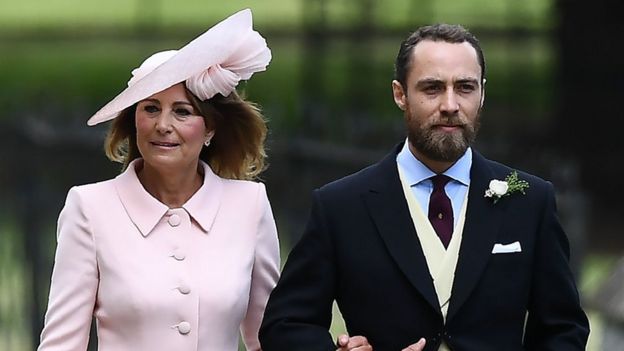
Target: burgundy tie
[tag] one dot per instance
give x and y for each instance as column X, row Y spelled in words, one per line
column 440, row 209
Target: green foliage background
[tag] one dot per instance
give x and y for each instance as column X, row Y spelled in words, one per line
column 60, row 60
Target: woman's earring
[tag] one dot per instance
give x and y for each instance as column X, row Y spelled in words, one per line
column 209, row 138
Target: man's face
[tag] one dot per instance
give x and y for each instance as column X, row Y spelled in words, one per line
column 442, row 99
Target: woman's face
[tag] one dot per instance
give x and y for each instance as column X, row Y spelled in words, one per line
column 170, row 131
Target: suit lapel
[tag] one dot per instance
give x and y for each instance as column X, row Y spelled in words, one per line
column 388, row 208
column 483, row 220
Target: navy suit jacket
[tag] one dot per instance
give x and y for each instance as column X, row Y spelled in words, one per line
column 360, row 248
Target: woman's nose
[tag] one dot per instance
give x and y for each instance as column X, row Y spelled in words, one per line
column 163, row 122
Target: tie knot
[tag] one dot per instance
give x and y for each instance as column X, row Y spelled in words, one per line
column 439, row 181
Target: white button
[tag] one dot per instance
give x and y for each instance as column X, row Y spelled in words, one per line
column 184, row 328
column 179, row 256
column 184, row 289
column 174, row 220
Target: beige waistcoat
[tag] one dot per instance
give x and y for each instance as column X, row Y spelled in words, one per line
column 440, row 261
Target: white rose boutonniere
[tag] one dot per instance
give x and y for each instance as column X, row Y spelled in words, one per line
column 511, row 184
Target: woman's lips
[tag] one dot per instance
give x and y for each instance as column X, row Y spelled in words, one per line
column 164, row 144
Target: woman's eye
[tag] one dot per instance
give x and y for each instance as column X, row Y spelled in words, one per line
column 182, row 112
column 150, row 109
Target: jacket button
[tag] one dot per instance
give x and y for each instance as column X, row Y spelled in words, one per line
column 174, row 220
column 184, row 289
column 184, row 328
column 179, row 256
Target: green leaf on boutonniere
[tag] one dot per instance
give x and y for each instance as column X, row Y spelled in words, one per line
column 511, row 184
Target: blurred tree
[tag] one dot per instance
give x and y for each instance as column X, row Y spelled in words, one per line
column 315, row 46
column 590, row 120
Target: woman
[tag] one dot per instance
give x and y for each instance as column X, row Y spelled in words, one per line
column 179, row 251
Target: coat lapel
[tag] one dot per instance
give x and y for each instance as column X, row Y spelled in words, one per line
column 483, row 220
column 388, row 208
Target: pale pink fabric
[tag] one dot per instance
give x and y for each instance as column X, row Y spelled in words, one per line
column 212, row 63
column 250, row 56
column 150, row 64
column 147, row 272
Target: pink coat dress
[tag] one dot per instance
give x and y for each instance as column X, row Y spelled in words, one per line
column 159, row 278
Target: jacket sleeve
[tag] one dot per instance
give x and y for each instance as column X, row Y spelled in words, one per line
column 264, row 274
column 298, row 314
column 555, row 320
column 74, row 281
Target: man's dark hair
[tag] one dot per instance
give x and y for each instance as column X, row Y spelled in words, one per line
column 450, row 33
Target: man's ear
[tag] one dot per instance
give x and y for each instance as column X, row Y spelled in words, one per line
column 399, row 94
column 482, row 92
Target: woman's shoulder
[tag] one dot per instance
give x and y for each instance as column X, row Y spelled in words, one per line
column 230, row 184
column 242, row 183
column 247, row 187
column 95, row 190
column 250, row 192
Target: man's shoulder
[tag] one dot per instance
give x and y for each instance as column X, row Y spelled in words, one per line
column 355, row 181
column 501, row 171
column 370, row 177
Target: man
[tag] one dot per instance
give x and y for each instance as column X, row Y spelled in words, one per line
column 424, row 244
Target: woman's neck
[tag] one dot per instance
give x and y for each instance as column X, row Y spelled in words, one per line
column 172, row 187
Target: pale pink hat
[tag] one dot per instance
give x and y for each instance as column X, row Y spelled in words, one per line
column 212, row 63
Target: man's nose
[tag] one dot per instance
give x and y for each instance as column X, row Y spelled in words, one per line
column 449, row 104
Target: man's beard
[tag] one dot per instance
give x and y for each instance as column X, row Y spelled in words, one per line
column 439, row 145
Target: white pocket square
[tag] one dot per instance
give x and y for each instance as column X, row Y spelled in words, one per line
column 507, row 248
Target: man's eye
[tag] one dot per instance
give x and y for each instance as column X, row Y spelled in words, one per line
column 466, row 88
column 432, row 89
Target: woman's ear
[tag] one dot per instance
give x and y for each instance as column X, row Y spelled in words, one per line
column 209, row 136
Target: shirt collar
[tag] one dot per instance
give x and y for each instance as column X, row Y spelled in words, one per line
column 415, row 171
column 145, row 211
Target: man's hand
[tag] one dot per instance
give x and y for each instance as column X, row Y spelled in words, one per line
column 419, row 346
column 354, row 343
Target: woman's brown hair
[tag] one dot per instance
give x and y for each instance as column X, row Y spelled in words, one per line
column 236, row 150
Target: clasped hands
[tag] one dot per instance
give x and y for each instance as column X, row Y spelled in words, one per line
column 360, row 343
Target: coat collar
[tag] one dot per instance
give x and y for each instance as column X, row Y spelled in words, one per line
column 390, row 213
column 483, row 222
column 145, row 211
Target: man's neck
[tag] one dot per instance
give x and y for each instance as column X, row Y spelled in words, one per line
column 436, row 166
